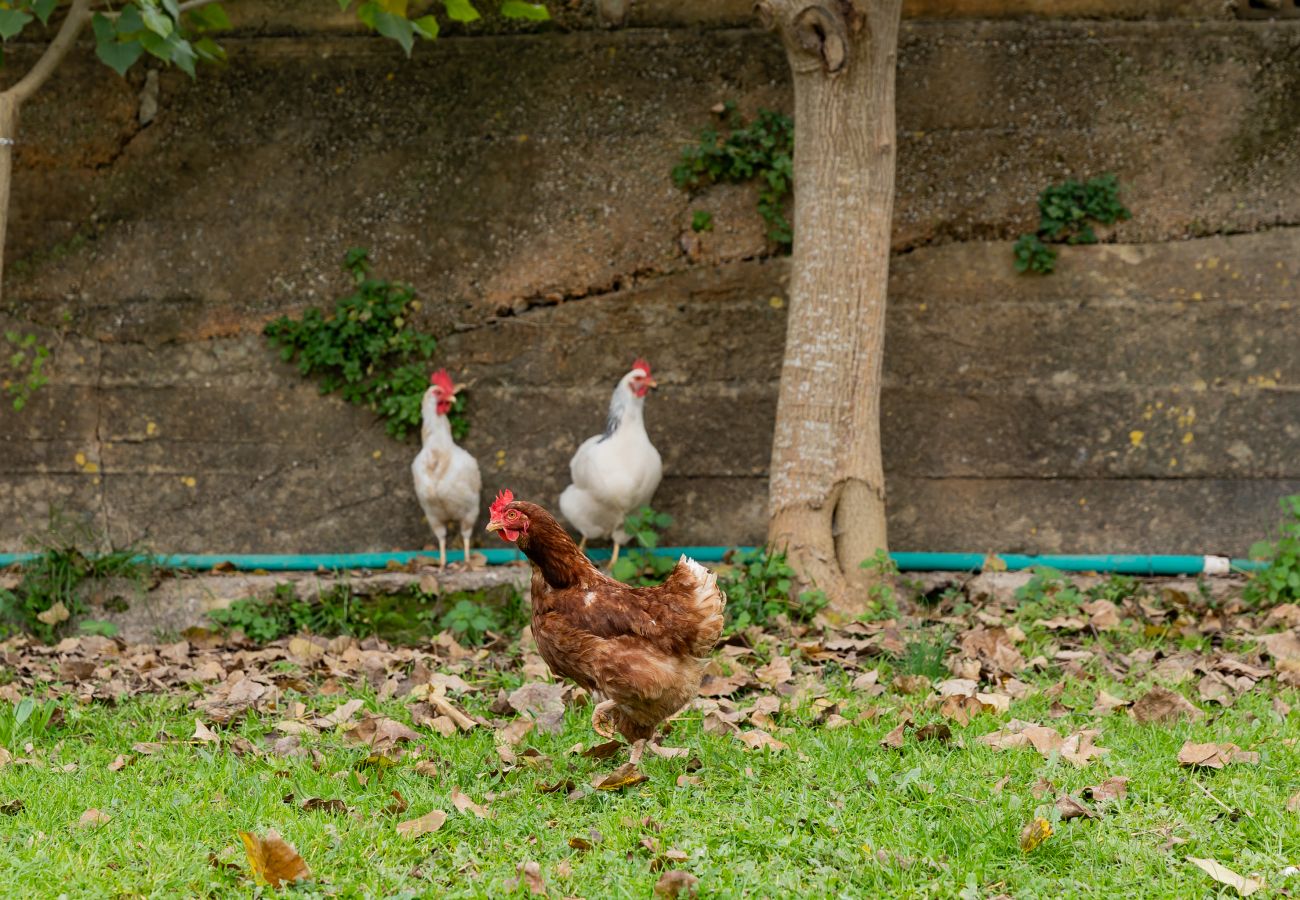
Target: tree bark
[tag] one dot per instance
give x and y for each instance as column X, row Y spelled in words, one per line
column 827, row 501
column 12, row 99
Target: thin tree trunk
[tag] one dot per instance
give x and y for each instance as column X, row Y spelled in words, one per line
column 827, row 501
column 12, row 99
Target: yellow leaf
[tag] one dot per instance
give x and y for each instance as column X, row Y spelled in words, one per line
column 430, row 821
column 273, row 860
column 625, row 775
column 1034, row 834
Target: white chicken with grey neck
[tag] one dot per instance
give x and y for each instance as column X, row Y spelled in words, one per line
column 617, row 472
column 447, row 478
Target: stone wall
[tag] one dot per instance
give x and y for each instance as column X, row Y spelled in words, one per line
column 1143, row 398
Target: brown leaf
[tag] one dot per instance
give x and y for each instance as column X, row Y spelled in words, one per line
column 398, row 806
column 1034, row 834
column 318, row 804
column 11, row 807
column 515, row 732
column 1106, row 704
column 530, row 874
column 204, row 734
column 757, row 739
column 1070, row 808
column 379, row 733
column 603, row 751
column 54, row 615
column 894, row 740
column 626, row 775
column 1214, row 756
column 720, row 686
column 1222, row 874
column 1163, row 705
column 463, row 803
column 1111, row 789
column 911, row 684
column 776, row 672
column 563, row 784
column 273, row 860
column 426, row 768
column 1293, row 804
column 676, row 883
column 93, row 818
column 430, row 821
column 542, row 701
column 119, row 763
column 342, row 714
column 935, row 731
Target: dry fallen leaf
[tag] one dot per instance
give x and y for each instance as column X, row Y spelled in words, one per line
column 894, row 740
column 1107, row 704
column 273, row 860
column 318, row 804
column 1222, row 874
column 54, row 615
column 676, row 883
column 430, row 821
column 93, row 818
column 119, row 763
column 1111, row 789
column 379, row 733
column 464, row 804
column 530, row 874
column 1034, row 834
column 626, row 775
column 203, row 734
column 602, row 751
column 426, row 768
column 1293, row 804
column 1214, row 756
column 757, row 739
column 1070, row 808
column 1163, row 705
column 11, row 807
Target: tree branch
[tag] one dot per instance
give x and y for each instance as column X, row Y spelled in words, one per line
column 76, row 19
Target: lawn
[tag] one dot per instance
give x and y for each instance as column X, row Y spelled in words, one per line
column 824, row 809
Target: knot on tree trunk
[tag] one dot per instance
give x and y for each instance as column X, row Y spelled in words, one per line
column 819, row 29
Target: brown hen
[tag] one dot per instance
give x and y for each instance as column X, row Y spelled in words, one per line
column 644, row 648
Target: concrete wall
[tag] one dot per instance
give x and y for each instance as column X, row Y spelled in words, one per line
column 1143, row 398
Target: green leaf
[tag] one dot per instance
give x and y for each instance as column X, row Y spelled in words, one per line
column 182, row 54
column 160, row 24
column 129, row 22
column 460, row 10
column 210, row 50
column 117, row 56
column 43, row 8
column 517, row 9
column 344, row 4
column 209, row 18
column 173, row 9
column 12, row 22
column 427, row 26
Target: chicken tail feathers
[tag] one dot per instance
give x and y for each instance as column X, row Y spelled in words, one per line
column 702, row 592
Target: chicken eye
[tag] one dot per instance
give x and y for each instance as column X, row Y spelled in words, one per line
column 512, row 514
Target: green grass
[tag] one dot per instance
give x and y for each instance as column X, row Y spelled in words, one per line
column 806, row 822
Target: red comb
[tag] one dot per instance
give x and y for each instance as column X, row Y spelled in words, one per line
column 640, row 363
column 499, row 505
column 441, row 379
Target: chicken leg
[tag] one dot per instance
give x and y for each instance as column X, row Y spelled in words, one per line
column 613, row 557
column 582, row 544
column 442, row 551
column 469, row 557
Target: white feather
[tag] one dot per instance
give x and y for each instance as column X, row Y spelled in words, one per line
column 614, row 473
column 447, row 479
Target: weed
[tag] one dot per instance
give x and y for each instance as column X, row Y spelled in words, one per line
column 475, row 615
column 26, row 363
column 47, row 600
column 924, row 658
column 882, row 596
column 759, row 588
column 1066, row 213
column 1048, row 593
column 639, row 564
column 366, row 349
column 761, row 150
column 1279, row 581
column 26, row 721
column 701, row 220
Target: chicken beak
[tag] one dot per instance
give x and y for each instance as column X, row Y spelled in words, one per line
column 650, row 383
column 494, row 526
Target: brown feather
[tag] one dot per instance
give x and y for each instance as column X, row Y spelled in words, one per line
column 642, row 647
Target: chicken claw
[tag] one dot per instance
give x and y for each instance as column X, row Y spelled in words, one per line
column 637, row 749
column 602, row 719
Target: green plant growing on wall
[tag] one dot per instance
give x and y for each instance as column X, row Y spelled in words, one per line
column 366, row 349
column 1067, row 212
column 761, row 150
column 1279, row 581
column 640, row 565
column 26, row 365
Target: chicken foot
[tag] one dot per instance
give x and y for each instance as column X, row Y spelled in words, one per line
column 469, row 557
column 613, row 557
column 442, row 551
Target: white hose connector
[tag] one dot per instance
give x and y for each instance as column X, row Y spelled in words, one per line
column 1217, row 565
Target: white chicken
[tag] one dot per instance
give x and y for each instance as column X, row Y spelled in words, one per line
column 617, row 472
column 447, row 479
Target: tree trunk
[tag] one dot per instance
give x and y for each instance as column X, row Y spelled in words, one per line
column 12, row 99
column 827, row 501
